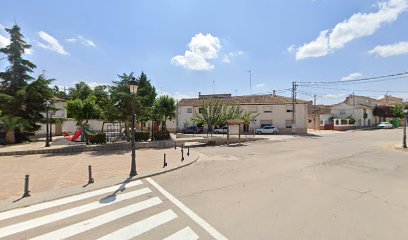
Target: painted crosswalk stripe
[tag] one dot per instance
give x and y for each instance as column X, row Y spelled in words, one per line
column 86, row 225
column 33, row 223
column 62, row 201
column 210, row 229
column 142, row 226
column 183, row 234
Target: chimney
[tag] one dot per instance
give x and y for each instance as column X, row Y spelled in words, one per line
column 274, row 93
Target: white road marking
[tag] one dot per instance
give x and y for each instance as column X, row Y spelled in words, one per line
column 211, row 230
column 183, row 234
column 89, row 224
column 142, row 226
column 62, row 201
column 33, row 223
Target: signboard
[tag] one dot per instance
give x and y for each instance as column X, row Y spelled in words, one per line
column 233, row 129
column 254, row 122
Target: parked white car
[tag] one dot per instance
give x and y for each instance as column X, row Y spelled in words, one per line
column 221, row 130
column 267, row 129
column 385, row 125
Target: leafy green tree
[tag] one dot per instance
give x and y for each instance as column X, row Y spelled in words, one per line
column 104, row 103
column 82, row 111
column 164, row 109
column 211, row 115
column 20, row 95
column 59, row 93
column 81, row 91
column 146, row 95
column 398, row 111
column 12, row 123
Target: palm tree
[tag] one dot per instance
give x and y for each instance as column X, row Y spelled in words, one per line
column 12, row 123
column 164, row 109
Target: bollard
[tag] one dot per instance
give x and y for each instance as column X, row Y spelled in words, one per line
column 175, row 145
column 90, row 179
column 164, row 161
column 26, row 183
column 182, row 154
column 188, row 151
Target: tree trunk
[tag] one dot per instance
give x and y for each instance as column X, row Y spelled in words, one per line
column 103, row 125
column 10, row 137
column 141, row 126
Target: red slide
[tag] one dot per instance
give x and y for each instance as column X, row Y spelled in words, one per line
column 76, row 135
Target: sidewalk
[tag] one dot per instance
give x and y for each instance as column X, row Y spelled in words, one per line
column 52, row 174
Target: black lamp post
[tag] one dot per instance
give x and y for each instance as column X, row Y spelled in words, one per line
column 47, row 107
column 133, row 91
column 404, row 137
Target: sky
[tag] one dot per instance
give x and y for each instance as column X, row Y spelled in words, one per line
column 189, row 46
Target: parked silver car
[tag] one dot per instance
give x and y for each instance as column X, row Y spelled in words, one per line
column 267, row 129
column 221, row 130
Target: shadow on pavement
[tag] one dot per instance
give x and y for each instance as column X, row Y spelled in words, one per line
column 112, row 197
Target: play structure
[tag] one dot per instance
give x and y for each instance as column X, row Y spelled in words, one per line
column 77, row 135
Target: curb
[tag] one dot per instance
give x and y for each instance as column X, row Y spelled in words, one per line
column 123, row 146
column 8, row 204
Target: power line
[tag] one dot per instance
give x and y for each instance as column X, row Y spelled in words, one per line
column 360, row 80
column 357, row 90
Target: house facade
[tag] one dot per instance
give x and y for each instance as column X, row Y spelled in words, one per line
column 272, row 109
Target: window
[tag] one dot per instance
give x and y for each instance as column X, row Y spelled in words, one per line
column 289, row 108
column 288, row 123
column 266, row 123
column 343, row 121
column 200, row 110
column 189, row 110
column 253, row 109
column 267, row 109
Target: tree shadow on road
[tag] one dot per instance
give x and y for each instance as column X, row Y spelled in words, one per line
column 112, row 197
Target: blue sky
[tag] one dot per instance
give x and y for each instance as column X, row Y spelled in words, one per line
column 184, row 46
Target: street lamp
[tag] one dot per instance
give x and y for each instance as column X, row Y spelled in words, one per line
column 404, row 137
column 47, row 107
column 133, row 90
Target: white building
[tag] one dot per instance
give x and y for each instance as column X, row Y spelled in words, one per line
column 272, row 109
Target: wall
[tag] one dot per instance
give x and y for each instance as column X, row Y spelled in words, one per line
column 278, row 116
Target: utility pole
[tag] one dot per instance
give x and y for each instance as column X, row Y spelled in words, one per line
column 294, row 86
column 250, row 82
column 354, row 102
column 314, row 112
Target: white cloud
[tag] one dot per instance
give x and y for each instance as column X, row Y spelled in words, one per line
column 390, row 50
column 4, row 41
column 176, row 95
column 2, row 27
column 71, row 40
column 334, row 96
column 357, row 26
column 316, row 48
column 201, row 49
column 51, row 43
column 82, row 40
column 227, row 57
column 259, row 85
column 352, row 76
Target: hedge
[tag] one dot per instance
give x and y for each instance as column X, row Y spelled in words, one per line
column 164, row 135
column 142, row 136
column 99, row 138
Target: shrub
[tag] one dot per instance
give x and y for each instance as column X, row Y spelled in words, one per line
column 142, row 136
column 163, row 135
column 99, row 138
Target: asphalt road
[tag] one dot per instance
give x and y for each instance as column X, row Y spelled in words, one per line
column 350, row 185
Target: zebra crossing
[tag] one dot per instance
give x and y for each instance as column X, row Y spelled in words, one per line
column 135, row 210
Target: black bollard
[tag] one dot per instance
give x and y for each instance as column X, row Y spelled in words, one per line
column 90, row 179
column 26, row 183
column 188, row 151
column 164, row 161
column 175, row 145
column 182, row 154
